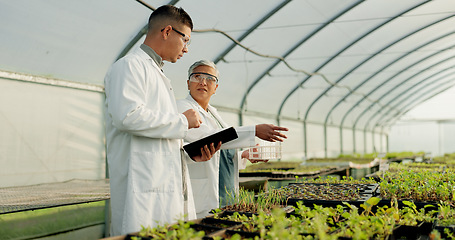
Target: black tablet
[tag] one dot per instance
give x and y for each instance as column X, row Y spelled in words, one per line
column 194, row 149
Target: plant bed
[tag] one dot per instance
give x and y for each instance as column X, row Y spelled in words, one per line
column 277, row 174
column 248, row 202
column 322, row 203
column 226, row 214
column 428, row 206
column 446, row 231
column 367, row 220
column 133, row 236
column 335, row 180
column 419, row 186
column 327, row 192
column 420, row 231
column 272, row 165
column 285, row 170
column 228, row 234
column 179, row 230
column 219, row 223
column 207, row 229
column 359, row 187
column 445, row 222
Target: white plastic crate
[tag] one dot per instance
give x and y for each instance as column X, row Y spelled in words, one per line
column 265, row 151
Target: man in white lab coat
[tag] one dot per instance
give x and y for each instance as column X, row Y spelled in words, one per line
column 144, row 130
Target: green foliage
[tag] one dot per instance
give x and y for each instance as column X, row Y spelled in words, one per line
column 247, row 201
column 446, row 214
column 403, row 154
column 418, row 185
column 417, row 182
column 181, row 230
column 335, row 180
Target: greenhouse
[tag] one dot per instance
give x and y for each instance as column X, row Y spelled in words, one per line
column 364, row 89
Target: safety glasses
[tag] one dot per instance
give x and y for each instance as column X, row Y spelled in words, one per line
column 198, row 77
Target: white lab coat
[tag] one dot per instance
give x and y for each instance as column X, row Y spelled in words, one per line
column 144, row 134
column 205, row 175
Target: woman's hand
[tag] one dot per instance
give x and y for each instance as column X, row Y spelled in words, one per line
column 207, row 153
column 246, row 154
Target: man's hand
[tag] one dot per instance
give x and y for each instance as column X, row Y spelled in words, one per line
column 207, row 153
column 269, row 132
column 193, row 117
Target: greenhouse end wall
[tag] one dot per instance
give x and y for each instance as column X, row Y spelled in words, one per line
column 435, row 137
column 49, row 134
column 54, row 133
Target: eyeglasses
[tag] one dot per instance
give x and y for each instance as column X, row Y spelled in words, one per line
column 186, row 40
column 198, row 77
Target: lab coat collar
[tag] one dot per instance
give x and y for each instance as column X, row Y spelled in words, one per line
column 210, row 108
column 196, row 104
column 144, row 55
column 156, row 58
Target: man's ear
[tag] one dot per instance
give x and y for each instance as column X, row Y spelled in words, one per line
column 166, row 31
column 188, row 84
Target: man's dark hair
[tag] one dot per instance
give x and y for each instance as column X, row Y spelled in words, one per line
column 171, row 12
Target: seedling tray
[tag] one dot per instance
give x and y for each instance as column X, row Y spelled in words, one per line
column 323, row 203
column 420, row 231
column 419, row 205
column 230, row 213
column 219, row 223
column 316, row 192
column 289, row 174
column 205, row 228
column 441, row 229
column 134, row 236
column 364, row 188
column 227, row 234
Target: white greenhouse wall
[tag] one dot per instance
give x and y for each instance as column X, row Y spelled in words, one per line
column 437, row 137
column 315, row 138
column 348, row 147
column 359, row 136
column 49, row 134
column 294, row 147
column 447, row 138
column 368, row 143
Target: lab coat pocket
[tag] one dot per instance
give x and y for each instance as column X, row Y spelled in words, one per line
column 200, row 194
column 153, row 172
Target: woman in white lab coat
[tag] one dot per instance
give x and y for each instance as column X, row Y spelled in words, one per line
column 202, row 84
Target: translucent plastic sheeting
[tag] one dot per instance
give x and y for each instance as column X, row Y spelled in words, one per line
column 438, row 136
column 345, row 41
column 49, row 134
column 325, row 65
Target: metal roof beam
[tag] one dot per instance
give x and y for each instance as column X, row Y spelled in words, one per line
column 403, row 82
column 408, row 92
column 260, row 22
column 389, row 79
column 292, row 49
column 373, row 75
column 388, row 46
column 411, row 105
